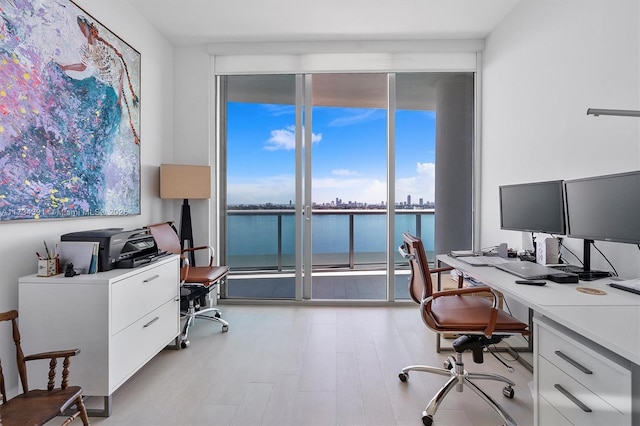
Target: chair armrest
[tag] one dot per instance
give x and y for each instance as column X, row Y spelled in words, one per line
column 52, row 354
column 194, row 249
column 493, row 316
column 439, row 270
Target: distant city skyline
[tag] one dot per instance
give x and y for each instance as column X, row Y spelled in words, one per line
column 349, row 155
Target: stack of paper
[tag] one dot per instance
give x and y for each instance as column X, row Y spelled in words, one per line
column 82, row 254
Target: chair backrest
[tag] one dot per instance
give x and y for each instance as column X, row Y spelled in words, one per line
column 420, row 284
column 166, row 237
column 22, row 368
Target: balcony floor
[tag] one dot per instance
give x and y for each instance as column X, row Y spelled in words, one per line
column 348, row 285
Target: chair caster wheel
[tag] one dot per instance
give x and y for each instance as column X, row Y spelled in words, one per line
column 217, row 315
column 448, row 365
column 185, row 344
column 403, row 377
column 427, row 420
column 225, row 328
column 508, row 392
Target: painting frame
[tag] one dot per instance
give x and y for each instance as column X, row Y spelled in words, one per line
column 69, row 115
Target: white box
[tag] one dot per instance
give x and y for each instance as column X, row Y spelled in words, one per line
column 548, row 251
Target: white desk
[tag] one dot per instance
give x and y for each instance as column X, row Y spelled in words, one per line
column 607, row 324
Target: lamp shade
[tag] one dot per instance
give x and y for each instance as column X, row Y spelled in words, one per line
column 185, row 181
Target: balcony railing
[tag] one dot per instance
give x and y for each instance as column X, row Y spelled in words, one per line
column 341, row 239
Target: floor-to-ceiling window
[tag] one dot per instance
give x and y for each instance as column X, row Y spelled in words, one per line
column 338, row 247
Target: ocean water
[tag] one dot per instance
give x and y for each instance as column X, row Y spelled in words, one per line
column 254, row 240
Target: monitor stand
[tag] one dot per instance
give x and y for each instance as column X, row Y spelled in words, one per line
column 586, row 274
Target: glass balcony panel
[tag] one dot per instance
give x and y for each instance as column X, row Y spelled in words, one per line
column 330, row 247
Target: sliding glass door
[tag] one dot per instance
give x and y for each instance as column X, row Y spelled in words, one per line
column 322, row 173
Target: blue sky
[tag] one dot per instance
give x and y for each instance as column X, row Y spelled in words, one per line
column 349, row 154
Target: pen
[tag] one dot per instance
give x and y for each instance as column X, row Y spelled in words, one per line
column 46, row 248
column 39, row 257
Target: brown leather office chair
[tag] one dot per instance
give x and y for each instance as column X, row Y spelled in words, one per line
column 196, row 281
column 477, row 320
column 38, row 406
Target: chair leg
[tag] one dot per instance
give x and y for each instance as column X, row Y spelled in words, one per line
column 497, row 408
column 432, row 407
column 191, row 314
column 201, row 314
column 458, row 378
column 81, row 411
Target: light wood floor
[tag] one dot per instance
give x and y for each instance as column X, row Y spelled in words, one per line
column 307, row 365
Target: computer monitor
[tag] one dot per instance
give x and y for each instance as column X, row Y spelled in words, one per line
column 603, row 208
column 533, row 207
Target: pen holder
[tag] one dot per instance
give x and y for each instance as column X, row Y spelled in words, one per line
column 47, row 267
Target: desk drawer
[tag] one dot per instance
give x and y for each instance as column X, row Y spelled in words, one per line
column 604, row 377
column 141, row 341
column 565, row 394
column 549, row 416
column 137, row 295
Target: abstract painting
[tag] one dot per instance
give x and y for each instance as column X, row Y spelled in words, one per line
column 69, row 114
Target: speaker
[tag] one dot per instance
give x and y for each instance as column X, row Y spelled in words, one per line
column 548, row 251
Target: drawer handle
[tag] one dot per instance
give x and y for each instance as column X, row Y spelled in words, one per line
column 151, row 322
column 151, row 279
column 573, row 362
column 572, row 398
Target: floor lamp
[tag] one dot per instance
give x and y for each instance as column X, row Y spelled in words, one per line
column 184, row 182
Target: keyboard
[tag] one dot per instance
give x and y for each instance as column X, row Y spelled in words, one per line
column 582, row 274
column 632, row 286
column 572, row 269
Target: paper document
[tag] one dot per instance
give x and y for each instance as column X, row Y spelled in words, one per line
column 83, row 255
column 484, row 260
column 462, row 253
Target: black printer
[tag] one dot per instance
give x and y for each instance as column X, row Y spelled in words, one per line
column 119, row 248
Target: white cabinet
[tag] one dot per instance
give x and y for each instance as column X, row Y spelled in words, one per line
column 577, row 381
column 119, row 319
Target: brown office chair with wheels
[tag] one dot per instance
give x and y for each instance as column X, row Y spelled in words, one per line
column 38, row 406
column 477, row 320
column 196, row 281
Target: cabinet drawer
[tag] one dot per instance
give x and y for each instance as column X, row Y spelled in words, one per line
column 141, row 341
column 137, row 295
column 604, row 377
column 551, row 378
column 549, row 416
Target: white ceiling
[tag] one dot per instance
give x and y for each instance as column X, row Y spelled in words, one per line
column 209, row 21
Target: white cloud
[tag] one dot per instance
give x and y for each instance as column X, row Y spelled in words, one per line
column 345, row 184
column 271, row 189
column 344, row 172
column 357, row 116
column 285, row 139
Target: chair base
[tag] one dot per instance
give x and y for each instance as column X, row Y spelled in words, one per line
column 191, row 314
column 459, row 377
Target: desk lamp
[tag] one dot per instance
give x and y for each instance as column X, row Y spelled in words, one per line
column 185, row 182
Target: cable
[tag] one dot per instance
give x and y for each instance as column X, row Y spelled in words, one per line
column 605, row 258
column 567, row 249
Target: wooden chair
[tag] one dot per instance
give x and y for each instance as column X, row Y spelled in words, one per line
column 196, row 281
column 37, row 407
column 478, row 320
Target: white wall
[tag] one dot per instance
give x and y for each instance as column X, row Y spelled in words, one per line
column 543, row 67
column 20, row 240
column 194, row 121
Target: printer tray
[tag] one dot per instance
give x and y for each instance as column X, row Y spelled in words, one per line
column 135, row 262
